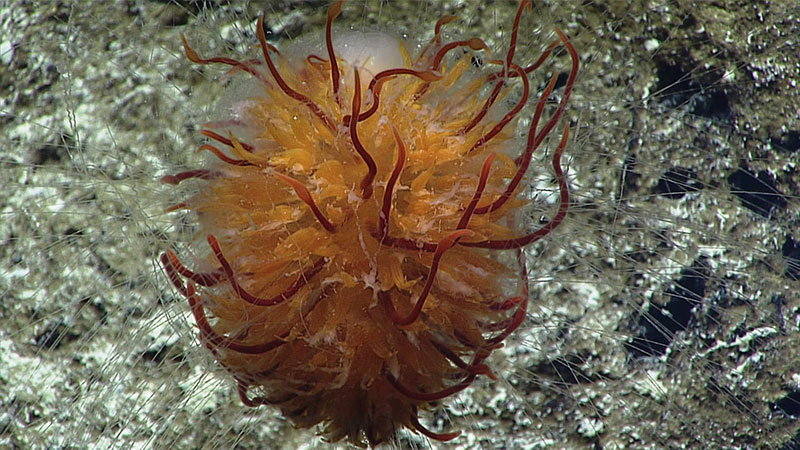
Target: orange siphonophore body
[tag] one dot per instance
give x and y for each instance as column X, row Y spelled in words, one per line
column 360, row 228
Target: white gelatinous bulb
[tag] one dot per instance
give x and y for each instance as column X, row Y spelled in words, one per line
column 370, row 51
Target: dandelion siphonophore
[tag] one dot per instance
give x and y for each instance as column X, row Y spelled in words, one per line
column 362, row 221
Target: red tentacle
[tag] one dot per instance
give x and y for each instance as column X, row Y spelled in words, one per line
column 386, row 209
column 377, row 82
column 443, row 437
column 372, row 169
column 305, row 196
column 443, row 245
column 178, row 177
column 561, row 213
column 474, row 44
column 225, row 158
column 510, row 115
column 302, row 280
column 431, row 396
column 208, row 333
column 265, row 49
column 333, row 11
column 206, row 279
column 195, row 58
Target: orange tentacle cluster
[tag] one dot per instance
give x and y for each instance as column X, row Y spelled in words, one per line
column 357, row 238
